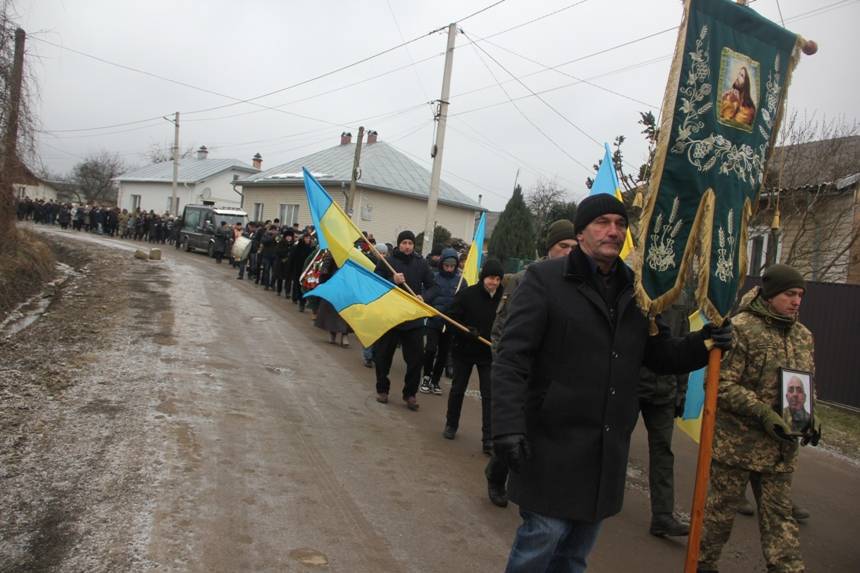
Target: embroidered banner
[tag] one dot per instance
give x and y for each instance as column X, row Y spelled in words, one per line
column 721, row 111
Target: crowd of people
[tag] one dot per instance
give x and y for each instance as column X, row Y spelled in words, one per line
column 92, row 218
column 566, row 362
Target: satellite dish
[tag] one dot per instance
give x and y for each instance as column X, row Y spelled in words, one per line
column 206, row 193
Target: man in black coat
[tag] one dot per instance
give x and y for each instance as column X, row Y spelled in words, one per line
column 409, row 269
column 565, row 389
column 475, row 308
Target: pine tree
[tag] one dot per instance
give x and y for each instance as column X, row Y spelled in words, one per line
column 514, row 233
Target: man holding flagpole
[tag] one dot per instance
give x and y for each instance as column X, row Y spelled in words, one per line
column 410, row 270
column 565, row 389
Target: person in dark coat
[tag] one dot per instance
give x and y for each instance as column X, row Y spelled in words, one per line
column 297, row 265
column 282, row 261
column 409, row 269
column 439, row 296
column 327, row 317
column 221, row 238
column 475, row 308
column 565, row 389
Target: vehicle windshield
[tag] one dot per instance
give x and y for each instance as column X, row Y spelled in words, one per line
column 231, row 219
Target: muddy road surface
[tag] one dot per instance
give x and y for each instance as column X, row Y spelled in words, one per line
column 166, row 416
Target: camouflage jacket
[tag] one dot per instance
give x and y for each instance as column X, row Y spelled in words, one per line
column 749, row 376
column 510, row 282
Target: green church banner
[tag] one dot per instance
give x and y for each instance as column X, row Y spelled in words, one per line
column 721, row 112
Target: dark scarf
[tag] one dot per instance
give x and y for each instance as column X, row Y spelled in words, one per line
column 759, row 307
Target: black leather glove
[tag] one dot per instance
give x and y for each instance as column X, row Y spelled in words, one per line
column 812, row 433
column 473, row 333
column 513, row 450
column 720, row 336
column 679, row 407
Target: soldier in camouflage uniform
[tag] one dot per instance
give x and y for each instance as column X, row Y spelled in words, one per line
column 752, row 442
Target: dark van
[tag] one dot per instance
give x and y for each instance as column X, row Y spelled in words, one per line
column 200, row 221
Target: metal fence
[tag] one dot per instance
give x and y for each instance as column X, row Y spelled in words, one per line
column 832, row 312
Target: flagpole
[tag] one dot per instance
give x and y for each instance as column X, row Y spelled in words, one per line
column 420, row 300
column 703, row 467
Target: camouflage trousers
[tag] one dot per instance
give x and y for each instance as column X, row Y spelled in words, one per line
column 780, row 541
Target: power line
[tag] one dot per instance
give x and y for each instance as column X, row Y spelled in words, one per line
column 580, row 80
column 522, row 113
column 533, row 20
column 564, row 86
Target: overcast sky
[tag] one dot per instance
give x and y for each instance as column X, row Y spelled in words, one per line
column 228, row 50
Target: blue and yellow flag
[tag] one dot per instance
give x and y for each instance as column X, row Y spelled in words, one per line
column 472, row 266
column 606, row 181
column 368, row 303
column 335, row 231
column 691, row 420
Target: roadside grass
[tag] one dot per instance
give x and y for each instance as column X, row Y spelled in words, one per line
column 26, row 263
column 840, row 429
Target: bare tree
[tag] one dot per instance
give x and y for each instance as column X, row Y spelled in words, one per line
column 543, row 197
column 94, row 177
column 809, row 186
column 160, row 153
column 18, row 137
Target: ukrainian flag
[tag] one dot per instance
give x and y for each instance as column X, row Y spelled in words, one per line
column 368, row 303
column 335, row 231
column 606, row 181
column 691, row 420
column 472, row 266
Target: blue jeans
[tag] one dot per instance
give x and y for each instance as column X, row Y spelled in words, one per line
column 549, row 544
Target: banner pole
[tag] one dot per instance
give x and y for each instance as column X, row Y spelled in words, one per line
column 703, row 467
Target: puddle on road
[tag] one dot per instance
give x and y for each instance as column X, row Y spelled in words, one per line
column 309, row 556
column 33, row 308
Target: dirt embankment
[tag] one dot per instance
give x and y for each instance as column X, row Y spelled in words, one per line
column 76, row 446
column 26, row 263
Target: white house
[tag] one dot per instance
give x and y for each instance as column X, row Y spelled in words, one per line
column 27, row 184
column 391, row 194
column 200, row 180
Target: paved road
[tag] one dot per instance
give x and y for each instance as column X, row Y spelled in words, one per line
column 274, row 456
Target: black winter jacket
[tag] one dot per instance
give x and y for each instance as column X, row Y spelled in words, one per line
column 473, row 306
column 566, row 375
column 418, row 276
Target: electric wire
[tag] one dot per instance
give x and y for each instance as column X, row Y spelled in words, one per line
column 523, row 114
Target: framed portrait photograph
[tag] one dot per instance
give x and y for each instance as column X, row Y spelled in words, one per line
column 796, row 398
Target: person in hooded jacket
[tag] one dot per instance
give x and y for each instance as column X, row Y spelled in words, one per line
column 439, row 296
column 475, row 308
column 409, row 269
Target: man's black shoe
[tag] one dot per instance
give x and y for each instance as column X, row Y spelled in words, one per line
column 665, row 524
column 497, row 494
column 449, row 433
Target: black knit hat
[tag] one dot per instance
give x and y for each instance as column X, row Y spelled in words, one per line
column 404, row 236
column 559, row 231
column 779, row 278
column 594, row 206
column 492, row 268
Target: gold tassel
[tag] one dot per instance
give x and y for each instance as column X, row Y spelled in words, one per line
column 638, row 199
column 774, row 225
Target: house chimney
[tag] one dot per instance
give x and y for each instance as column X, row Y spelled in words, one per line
column 257, row 161
column 371, row 137
column 202, row 152
column 345, row 138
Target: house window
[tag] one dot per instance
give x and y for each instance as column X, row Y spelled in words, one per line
column 135, row 202
column 170, row 205
column 258, row 212
column 22, row 192
column 288, row 213
column 367, row 211
column 757, row 249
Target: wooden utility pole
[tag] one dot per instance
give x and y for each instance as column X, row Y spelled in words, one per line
column 442, row 119
column 173, row 206
column 10, row 139
column 350, row 198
